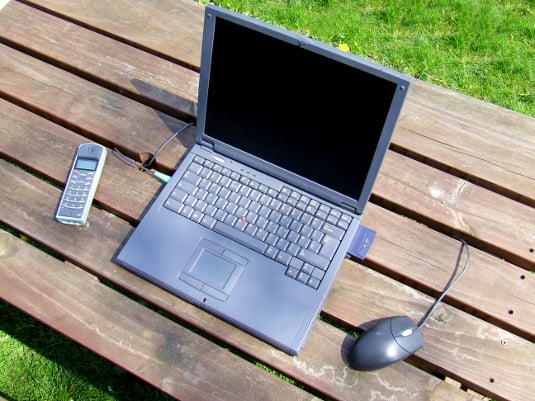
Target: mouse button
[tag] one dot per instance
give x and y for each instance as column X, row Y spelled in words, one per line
column 411, row 343
column 401, row 326
column 366, row 355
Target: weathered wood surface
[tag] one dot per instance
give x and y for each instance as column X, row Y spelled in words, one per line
column 504, row 142
column 320, row 364
column 439, row 197
column 161, row 83
column 60, row 89
column 165, row 354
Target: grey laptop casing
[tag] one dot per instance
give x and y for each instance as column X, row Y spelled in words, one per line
column 283, row 110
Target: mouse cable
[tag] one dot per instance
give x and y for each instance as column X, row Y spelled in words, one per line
column 164, row 144
column 452, row 281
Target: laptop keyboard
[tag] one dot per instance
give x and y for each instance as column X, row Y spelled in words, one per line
column 287, row 226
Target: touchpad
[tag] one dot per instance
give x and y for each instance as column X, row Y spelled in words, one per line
column 213, row 269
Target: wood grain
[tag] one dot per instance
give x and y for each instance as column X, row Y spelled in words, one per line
column 506, row 227
column 341, row 316
column 437, row 125
column 500, row 225
column 458, row 166
column 404, row 252
column 87, row 108
column 320, row 365
column 160, row 83
column 451, row 204
column 141, row 341
column 167, row 28
column 492, row 145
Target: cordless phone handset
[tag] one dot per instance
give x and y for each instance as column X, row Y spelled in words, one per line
column 82, row 181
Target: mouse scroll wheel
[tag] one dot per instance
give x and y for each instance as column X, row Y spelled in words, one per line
column 406, row 332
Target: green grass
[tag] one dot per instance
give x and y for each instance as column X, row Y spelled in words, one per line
column 482, row 48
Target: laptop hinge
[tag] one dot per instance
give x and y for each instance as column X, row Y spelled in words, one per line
column 350, row 209
column 208, row 146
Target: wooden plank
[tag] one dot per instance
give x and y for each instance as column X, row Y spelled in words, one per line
column 144, row 77
column 139, row 340
column 47, row 149
column 418, row 201
column 437, row 125
column 446, row 128
column 456, row 344
column 405, row 243
column 419, row 255
column 358, row 304
column 320, row 365
column 169, row 28
column 406, row 185
column 500, row 225
column 433, row 197
column 70, row 242
column 18, row 126
column 87, row 108
column 491, row 289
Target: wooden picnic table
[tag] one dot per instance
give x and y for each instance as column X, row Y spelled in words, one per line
column 125, row 74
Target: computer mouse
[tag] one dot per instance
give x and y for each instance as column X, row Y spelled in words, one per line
column 391, row 340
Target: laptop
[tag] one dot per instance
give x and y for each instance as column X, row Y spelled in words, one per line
column 257, row 218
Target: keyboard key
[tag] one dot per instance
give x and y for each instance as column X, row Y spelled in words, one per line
column 230, row 220
column 307, row 268
column 302, row 277
column 293, row 249
column 251, row 229
column 261, row 234
column 311, row 257
column 179, row 195
column 282, row 244
column 208, row 221
column 329, row 245
column 271, row 239
column 240, row 225
column 292, row 272
column 271, row 252
column 186, row 211
column 296, row 263
column 318, row 274
column 314, row 246
column 314, row 283
column 173, row 204
column 283, row 257
column 196, row 216
column 187, row 187
column 240, row 237
column 191, row 177
column 333, row 231
column 263, row 188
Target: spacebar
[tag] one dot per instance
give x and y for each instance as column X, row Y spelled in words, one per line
column 241, row 237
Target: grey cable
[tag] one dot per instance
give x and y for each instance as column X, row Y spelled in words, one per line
column 452, row 281
column 176, row 133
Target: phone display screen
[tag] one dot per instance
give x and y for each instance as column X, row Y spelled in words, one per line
column 86, row 164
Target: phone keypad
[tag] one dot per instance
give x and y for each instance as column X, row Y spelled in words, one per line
column 76, row 193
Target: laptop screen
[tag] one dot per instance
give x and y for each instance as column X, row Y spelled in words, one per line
column 296, row 107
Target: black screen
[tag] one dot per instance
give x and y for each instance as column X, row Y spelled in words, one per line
column 302, row 111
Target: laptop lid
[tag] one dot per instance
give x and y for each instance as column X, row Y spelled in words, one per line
column 289, row 108
column 305, row 112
